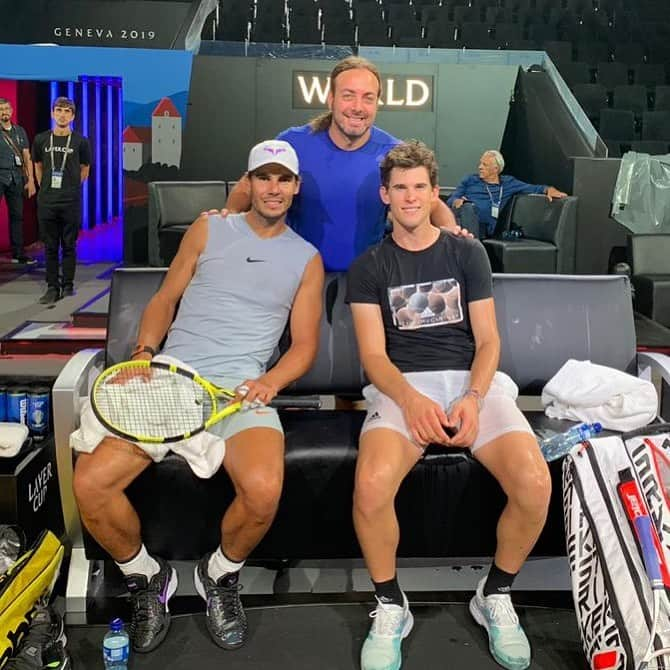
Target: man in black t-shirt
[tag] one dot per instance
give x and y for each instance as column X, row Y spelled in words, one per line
column 62, row 160
column 16, row 178
column 426, row 329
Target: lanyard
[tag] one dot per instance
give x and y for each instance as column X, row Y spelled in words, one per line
column 11, row 142
column 500, row 195
column 65, row 152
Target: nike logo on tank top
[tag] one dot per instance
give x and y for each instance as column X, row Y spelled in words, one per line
column 236, row 307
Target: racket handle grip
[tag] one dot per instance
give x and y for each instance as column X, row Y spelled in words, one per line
column 649, row 555
column 282, row 402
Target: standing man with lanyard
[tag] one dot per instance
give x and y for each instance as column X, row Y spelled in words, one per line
column 16, row 177
column 62, row 162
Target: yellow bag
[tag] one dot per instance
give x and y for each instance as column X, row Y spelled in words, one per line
column 32, row 577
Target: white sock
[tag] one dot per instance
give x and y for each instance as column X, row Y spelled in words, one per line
column 219, row 565
column 141, row 564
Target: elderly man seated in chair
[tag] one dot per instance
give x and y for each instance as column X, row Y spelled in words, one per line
column 479, row 198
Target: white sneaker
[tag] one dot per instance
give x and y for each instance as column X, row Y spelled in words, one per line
column 391, row 625
column 508, row 643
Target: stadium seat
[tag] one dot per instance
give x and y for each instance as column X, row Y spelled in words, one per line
column 662, row 98
column 463, row 15
column 592, row 98
column 592, row 52
column 651, row 147
column 549, row 236
column 648, row 256
column 631, row 53
column 442, row 35
column 650, row 74
column 304, row 30
column 559, row 52
column 611, row 75
column 173, row 206
column 372, row 34
column 617, row 123
column 506, row 33
column 613, row 148
column 475, row 36
column 656, row 125
column 339, row 31
column 631, row 97
column 575, row 73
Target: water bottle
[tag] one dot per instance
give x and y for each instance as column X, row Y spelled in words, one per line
column 116, row 646
column 558, row 445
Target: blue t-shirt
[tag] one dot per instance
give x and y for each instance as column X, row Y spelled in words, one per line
column 484, row 195
column 338, row 208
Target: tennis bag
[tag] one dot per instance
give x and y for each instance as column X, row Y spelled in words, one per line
column 31, row 578
column 611, row 590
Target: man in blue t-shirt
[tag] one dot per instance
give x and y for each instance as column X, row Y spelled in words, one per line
column 479, row 198
column 339, row 209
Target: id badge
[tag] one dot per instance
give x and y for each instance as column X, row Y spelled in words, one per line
column 18, row 161
column 495, row 211
column 56, row 179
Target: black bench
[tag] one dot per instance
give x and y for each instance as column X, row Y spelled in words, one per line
column 448, row 506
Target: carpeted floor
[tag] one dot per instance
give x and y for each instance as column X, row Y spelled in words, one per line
column 329, row 637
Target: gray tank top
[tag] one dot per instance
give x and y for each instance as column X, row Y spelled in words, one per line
column 237, row 304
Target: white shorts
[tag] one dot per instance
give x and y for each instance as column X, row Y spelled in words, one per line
column 203, row 452
column 499, row 413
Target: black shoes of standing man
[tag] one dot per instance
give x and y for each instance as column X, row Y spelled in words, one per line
column 53, row 295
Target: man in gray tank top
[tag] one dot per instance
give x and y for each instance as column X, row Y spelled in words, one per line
column 237, row 280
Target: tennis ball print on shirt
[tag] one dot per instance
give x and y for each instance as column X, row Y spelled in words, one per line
column 426, row 304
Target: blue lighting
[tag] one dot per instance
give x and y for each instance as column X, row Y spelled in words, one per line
column 119, row 152
column 97, row 160
column 70, row 90
column 110, row 154
column 53, row 94
column 84, row 132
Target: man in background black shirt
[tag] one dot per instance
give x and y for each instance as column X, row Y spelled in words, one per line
column 16, row 177
column 62, row 162
column 426, row 328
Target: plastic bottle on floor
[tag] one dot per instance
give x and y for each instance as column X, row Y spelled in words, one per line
column 558, row 445
column 116, row 646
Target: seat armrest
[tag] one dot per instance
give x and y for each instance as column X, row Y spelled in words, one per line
column 565, row 236
column 71, row 386
column 649, row 363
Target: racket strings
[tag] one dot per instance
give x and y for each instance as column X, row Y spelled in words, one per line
column 154, row 402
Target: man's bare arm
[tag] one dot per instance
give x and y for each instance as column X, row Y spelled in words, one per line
column 239, row 199
column 304, row 328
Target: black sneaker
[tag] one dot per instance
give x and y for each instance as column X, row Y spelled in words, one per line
column 150, row 620
column 51, row 296
column 24, row 260
column 44, row 644
column 226, row 619
column 67, row 291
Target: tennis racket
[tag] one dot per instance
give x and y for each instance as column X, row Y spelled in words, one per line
column 157, row 402
column 654, row 563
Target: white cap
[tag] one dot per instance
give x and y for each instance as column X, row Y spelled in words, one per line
column 274, row 151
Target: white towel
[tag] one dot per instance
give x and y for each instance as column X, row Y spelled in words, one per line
column 584, row 391
column 12, row 437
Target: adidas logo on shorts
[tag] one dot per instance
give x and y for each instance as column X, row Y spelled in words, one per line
column 374, row 416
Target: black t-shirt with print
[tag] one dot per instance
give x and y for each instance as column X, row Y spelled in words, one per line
column 79, row 153
column 424, row 298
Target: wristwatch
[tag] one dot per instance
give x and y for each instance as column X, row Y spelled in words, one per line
column 143, row 349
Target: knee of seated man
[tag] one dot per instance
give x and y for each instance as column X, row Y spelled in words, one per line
column 261, row 493
column 374, row 487
column 532, row 488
